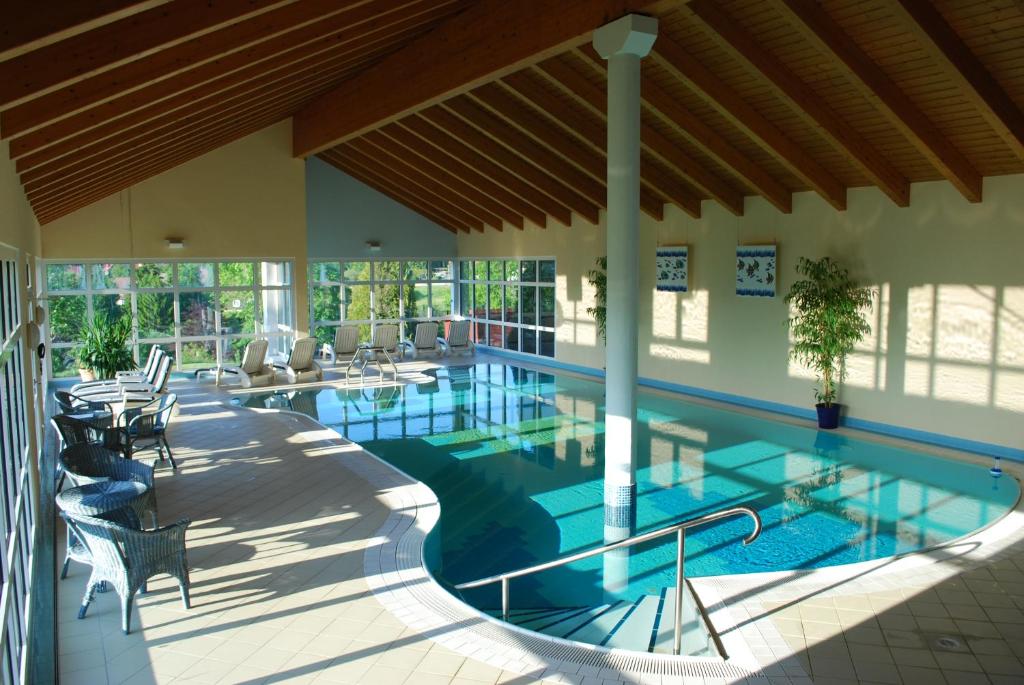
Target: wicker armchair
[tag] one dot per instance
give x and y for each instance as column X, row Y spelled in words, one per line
column 89, row 463
column 127, row 558
column 145, row 427
column 70, row 403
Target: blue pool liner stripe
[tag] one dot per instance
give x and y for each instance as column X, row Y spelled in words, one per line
column 927, row 437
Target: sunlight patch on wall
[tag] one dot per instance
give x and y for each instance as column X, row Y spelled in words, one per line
column 965, row 323
column 865, row 368
column 1010, row 341
column 1010, row 390
column 679, row 353
column 917, row 378
column 920, row 316
column 959, row 383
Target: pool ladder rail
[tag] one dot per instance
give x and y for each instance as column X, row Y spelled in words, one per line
column 678, row 528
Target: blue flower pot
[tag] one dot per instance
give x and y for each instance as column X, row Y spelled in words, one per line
column 828, row 415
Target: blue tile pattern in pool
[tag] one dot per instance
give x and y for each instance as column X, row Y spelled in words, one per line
column 515, row 458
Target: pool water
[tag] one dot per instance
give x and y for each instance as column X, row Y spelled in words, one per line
column 515, row 459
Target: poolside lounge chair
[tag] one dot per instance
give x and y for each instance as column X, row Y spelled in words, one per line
column 346, row 342
column 424, row 343
column 254, row 369
column 135, row 392
column 381, row 347
column 301, row 367
column 458, row 341
column 137, row 376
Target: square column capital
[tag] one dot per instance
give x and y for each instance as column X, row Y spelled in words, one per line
column 632, row 34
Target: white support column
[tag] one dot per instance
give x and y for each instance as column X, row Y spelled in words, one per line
column 623, row 42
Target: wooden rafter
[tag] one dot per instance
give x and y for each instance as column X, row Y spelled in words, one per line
column 730, row 104
column 728, row 34
column 448, row 143
column 77, row 57
column 395, row 165
column 505, row 158
column 819, row 28
column 490, row 39
column 381, row 186
column 448, row 165
column 582, row 138
column 58, row 20
column 970, row 75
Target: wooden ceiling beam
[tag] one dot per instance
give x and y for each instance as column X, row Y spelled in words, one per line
column 397, row 166
column 362, row 178
column 512, row 163
column 57, row 20
column 449, row 144
column 78, row 57
column 730, row 104
column 466, row 191
column 78, row 148
column 68, row 202
column 467, row 222
column 727, row 33
column 664, row 106
column 820, row 30
column 528, row 149
column 142, row 83
column 465, row 173
column 651, row 140
column 588, row 130
column 966, row 70
column 515, row 113
column 484, row 42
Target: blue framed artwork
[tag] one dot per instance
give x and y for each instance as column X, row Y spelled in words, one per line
column 755, row 270
column 672, row 269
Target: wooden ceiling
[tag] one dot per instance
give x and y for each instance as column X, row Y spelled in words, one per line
column 741, row 98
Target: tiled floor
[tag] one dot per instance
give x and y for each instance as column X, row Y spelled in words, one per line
column 281, row 523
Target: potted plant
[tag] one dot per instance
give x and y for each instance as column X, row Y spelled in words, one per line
column 828, row 319
column 105, row 347
column 598, row 278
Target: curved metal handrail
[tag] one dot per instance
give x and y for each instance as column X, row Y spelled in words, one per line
column 678, row 528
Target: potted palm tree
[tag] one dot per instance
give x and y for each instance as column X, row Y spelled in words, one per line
column 105, row 347
column 827, row 320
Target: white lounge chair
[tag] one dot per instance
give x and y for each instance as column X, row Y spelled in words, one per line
column 424, row 343
column 301, row 367
column 254, row 369
column 137, row 392
column 346, row 342
column 381, row 347
column 458, row 341
column 145, row 374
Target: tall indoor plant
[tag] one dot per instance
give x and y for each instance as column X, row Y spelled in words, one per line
column 828, row 319
column 105, row 347
column 598, row 278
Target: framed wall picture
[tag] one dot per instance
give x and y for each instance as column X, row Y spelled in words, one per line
column 755, row 270
column 672, row 267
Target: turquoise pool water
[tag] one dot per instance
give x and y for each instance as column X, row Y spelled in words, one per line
column 515, row 458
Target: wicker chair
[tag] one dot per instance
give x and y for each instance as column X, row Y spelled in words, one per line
column 70, row 403
column 145, row 427
column 127, row 558
column 89, row 463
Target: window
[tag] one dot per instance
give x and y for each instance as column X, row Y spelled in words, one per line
column 368, row 292
column 512, row 303
column 202, row 312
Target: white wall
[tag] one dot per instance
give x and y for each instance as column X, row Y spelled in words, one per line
column 18, row 225
column 343, row 213
column 947, row 355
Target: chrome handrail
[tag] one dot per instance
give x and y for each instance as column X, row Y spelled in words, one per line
column 678, row 528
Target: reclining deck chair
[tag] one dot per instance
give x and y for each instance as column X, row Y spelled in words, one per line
column 135, row 392
column 254, row 369
column 145, row 374
column 458, row 341
column 301, row 367
column 382, row 345
column 346, row 342
column 425, row 342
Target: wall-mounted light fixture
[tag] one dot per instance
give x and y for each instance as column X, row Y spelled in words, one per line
column 373, row 245
column 175, row 243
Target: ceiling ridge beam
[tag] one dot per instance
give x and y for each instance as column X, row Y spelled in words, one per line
column 966, row 70
column 743, row 47
column 668, row 109
column 412, row 175
column 484, row 42
column 684, row 67
column 829, row 38
column 432, row 216
column 465, row 190
column 651, row 140
column 78, row 57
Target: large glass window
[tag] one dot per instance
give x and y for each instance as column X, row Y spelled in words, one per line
column 365, row 292
column 201, row 312
column 511, row 301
